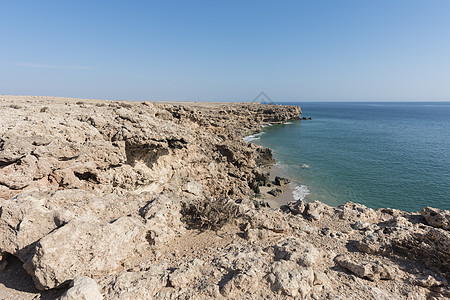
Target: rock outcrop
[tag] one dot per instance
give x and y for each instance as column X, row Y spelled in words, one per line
column 140, row 200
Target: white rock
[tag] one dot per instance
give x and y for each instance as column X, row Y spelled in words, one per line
column 287, row 278
column 82, row 248
column 82, row 288
column 137, row 285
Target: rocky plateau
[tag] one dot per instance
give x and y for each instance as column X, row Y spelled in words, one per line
column 154, row 200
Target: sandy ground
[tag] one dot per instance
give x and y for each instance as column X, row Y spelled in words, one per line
column 286, row 195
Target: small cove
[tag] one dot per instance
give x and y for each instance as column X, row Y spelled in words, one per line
column 378, row 154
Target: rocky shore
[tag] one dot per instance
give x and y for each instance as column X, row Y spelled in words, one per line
column 147, row 200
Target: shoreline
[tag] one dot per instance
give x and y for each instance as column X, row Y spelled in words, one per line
column 287, row 190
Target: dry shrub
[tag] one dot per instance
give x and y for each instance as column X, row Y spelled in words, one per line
column 210, row 213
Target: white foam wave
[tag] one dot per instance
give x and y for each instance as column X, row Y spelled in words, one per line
column 288, row 123
column 300, row 192
column 253, row 137
column 266, row 125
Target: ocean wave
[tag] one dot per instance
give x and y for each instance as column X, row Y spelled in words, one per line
column 266, row 125
column 253, row 137
column 300, row 192
column 288, row 123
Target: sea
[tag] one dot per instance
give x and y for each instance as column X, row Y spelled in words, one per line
column 380, row 154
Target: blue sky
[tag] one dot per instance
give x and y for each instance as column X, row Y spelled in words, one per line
column 396, row 50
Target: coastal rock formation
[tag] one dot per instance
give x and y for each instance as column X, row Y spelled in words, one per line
column 436, row 217
column 140, row 200
column 281, row 181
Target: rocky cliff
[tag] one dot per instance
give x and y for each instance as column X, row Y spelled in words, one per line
column 139, row 200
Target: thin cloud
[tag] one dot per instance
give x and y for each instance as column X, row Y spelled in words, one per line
column 45, row 66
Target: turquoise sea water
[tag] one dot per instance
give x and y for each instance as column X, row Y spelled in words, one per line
column 379, row 154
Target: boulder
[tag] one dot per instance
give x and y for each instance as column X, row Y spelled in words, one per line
column 316, row 210
column 299, row 251
column 13, row 148
column 436, row 217
column 84, row 248
column 287, row 278
column 431, row 246
column 253, row 235
column 25, row 219
column 372, row 270
column 186, row 274
column 270, row 220
column 296, row 207
column 137, row 285
column 241, row 282
column 275, row 192
column 82, row 288
column 20, row 174
column 163, row 219
column 281, row 181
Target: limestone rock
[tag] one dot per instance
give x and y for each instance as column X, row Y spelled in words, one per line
column 372, row 270
column 82, row 248
column 186, row 274
column 295, row 207
column 355, row 212
column 261, row 219
column 436, row 217
column 301, row 252
column 163, row 219
column 287, row 278
column 253, row 234
column 82, row 288
column 137, row 285
column 245, row 268
column 13, row 148
column 358, row 225
column 430, row 281
column 374, row 243
column 20, row 174
column 241, row 282
column 431, row 246
column 24, row 219
column 93, row 188
column 315, row 210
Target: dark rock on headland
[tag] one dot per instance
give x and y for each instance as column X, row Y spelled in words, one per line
column 281, row 181
column 275, row 192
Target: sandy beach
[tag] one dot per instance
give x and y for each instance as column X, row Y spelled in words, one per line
column 285, row 196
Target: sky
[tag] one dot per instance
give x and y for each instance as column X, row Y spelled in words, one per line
column 217, row 50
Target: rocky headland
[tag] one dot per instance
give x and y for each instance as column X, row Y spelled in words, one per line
column 147, row 200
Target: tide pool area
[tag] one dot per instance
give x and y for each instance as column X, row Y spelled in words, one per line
column 378, row 154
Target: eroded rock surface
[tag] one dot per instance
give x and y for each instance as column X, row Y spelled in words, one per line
column 93, row 198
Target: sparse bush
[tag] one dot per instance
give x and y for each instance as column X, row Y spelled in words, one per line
column 80, row 102
column 15, row 106
column 210, row 213
column 44, row 109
